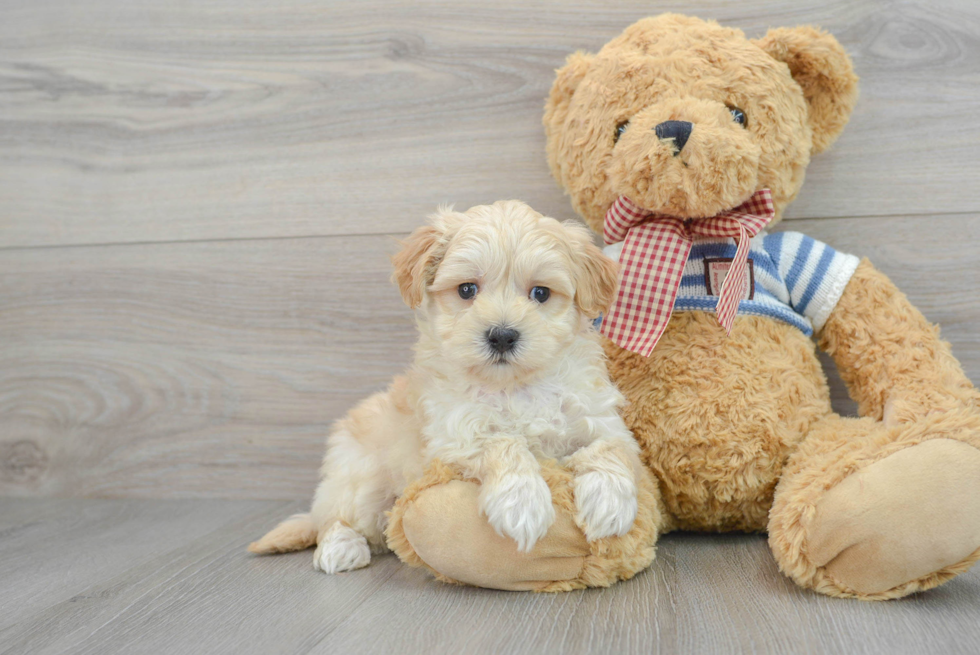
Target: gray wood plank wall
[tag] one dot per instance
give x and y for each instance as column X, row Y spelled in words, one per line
column 196, row 204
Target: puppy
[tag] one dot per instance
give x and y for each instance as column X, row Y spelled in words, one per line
column 508, row 369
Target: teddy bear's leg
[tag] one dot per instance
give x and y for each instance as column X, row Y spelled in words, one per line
column 877, row 512
column 888, row 504
column 436, row 524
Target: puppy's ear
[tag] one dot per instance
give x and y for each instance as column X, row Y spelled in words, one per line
column 597, row 276
column 824, row 71
column 415, row 263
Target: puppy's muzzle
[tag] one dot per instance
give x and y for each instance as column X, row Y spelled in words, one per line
column 502, row 339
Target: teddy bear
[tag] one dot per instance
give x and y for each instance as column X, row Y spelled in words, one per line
column 682, row 142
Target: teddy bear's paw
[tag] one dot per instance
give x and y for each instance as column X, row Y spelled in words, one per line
column 901, row 519
column 341, row 549
column 519, row 507
column 606, row 504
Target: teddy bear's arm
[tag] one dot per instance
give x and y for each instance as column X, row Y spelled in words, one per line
column 892, row 359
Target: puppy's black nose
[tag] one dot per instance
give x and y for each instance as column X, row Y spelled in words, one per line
column 502, row 339
column 676, row 130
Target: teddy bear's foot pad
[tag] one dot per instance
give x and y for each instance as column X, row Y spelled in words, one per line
column 908, row 515
column 448, row 532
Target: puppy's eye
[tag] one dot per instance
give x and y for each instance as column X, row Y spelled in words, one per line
column 467, row 290
column 620, row 128
column 540, row 294
column 738, row 115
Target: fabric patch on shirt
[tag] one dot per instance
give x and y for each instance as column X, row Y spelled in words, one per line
column 715, row 269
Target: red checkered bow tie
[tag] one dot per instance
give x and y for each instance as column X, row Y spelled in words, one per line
column 652, row 264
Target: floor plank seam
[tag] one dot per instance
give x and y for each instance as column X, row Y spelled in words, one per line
column 786, row 223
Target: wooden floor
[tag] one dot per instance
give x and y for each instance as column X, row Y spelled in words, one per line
column 155, row 576
column 197, row 204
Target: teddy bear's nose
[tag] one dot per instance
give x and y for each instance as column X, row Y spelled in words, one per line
column 676, row 130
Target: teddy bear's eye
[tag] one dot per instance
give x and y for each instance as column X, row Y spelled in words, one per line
column 620, row 128
column 738, row 115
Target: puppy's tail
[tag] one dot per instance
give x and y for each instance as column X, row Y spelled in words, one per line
column 295, row 533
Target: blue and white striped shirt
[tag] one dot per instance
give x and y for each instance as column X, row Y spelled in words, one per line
column 792, row 278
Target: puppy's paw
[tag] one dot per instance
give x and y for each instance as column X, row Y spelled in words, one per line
column 519, row 507
column 341, row 549
column 606, row 504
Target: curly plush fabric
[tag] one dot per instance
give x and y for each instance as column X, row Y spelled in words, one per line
column 737, row 430
column 889, row 504
column 436, row 525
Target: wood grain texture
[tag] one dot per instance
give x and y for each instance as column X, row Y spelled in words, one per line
column 214, row 369
column 248, row 159
column 135, row 121
column 53, row 550
column 179, row 370
column 202, row 593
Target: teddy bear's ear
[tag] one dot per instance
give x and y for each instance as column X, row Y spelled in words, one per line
column 566, row 81
column 820, row 65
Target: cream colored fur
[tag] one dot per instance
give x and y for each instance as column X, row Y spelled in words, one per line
column 738, row 429
column 492, row 416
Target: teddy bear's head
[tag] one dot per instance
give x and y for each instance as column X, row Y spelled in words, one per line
column 688, row 118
